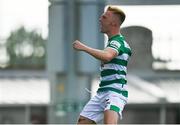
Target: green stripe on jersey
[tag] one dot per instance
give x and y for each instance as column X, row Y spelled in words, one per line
column 123, row 92
column 114, row 108
column 125, row 50
column 108, row 72
column 118, row 81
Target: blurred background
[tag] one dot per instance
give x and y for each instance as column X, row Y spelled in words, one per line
column 43, row 80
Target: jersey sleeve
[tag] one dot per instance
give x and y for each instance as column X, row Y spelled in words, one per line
column 115, row 45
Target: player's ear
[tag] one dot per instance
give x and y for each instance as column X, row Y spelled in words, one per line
column 113, row 23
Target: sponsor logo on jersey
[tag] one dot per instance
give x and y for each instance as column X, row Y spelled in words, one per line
column 115, row 44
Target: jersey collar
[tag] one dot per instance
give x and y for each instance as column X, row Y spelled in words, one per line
column 118, row 35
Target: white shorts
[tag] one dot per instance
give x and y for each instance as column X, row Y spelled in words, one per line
column 94, row 109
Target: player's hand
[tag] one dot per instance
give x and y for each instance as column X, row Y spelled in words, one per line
column 78, row 45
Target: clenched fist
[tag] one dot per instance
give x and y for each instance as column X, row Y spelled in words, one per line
column 78, row 45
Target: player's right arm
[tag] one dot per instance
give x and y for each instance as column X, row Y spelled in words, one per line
column 105, row 55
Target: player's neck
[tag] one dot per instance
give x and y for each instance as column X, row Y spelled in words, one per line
column 113, row 33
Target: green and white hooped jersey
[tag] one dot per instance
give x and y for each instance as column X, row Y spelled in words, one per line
column 113, row 73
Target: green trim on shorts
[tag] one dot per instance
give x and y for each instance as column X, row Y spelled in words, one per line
column 114, row 108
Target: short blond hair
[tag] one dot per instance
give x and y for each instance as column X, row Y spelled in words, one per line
column 117, row 10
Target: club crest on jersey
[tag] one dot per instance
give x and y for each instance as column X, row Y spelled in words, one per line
column 115, row 44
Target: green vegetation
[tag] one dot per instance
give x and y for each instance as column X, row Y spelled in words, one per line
column 26, row 50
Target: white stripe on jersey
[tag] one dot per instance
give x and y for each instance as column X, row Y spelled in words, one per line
column 112, row 77
column 114, row 66
column 124, row 56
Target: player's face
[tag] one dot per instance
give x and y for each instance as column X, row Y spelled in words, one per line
column 105, row 21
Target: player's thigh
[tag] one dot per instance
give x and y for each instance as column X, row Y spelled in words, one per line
column 110, row 117
column 84, row 120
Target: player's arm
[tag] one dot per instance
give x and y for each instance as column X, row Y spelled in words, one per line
column 105, row 55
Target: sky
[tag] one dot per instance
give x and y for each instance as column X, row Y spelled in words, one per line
column 33, row 14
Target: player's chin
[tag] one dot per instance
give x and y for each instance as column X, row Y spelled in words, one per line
column 102, row 31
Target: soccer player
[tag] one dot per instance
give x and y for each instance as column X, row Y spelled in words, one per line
column 112, row 93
